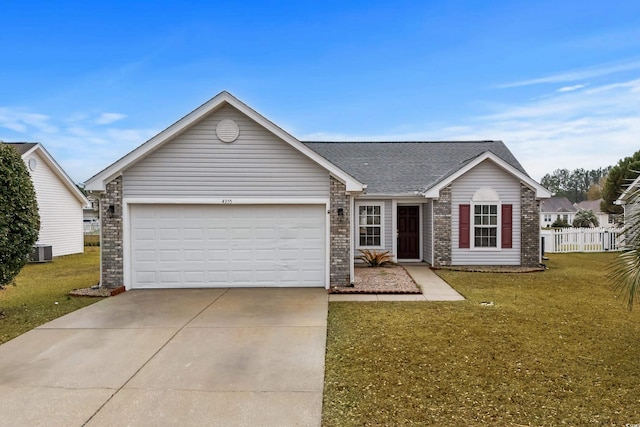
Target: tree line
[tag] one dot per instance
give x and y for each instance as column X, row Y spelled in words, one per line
column 576, row 185
column 606, row 182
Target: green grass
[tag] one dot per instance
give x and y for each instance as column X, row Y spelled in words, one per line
column 91, row 239
column 557, row 348
column 32, row 301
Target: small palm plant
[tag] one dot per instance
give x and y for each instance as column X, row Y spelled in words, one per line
column 585, row 218
column 625, row 270
column 375, row 258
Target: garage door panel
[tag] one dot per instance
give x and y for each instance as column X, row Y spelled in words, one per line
column 169, row 255
column 193, row 233
column 222, row 246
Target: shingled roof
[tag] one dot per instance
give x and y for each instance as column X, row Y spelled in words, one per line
column 557, row 204
column 22, row 147
column 396, row 168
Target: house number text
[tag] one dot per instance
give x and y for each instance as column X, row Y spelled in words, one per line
column 227, row 201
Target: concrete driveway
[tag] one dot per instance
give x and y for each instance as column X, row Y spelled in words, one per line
column 211, row 357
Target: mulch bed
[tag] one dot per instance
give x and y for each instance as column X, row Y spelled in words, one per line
column 96, row 292
column 380, row 280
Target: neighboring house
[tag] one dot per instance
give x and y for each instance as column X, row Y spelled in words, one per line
column 91, row 216
column 605, row 220
column 90, row 212
column 625, row 197
column 60, row 202
column 225, row 198
column 555, row 208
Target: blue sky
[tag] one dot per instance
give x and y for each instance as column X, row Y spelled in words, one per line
column 558, row 81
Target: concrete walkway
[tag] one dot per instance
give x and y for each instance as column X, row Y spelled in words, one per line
column 209, row 357
column 432, row 286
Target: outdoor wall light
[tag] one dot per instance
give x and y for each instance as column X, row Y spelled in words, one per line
column 340, row 212
column 111, row 211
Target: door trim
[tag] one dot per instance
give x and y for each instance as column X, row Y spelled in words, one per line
column 420, row 207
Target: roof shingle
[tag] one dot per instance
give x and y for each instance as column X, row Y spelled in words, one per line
column 396, row 168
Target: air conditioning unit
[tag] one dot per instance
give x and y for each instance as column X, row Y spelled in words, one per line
column 42, row 253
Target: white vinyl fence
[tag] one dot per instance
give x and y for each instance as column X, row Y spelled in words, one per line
column 582, row 240
column 91, row 227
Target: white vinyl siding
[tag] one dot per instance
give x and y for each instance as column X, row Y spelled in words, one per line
column 60, row 211
column 197, row 164
column 199, row 246
column 485, row 174
column 389, row 232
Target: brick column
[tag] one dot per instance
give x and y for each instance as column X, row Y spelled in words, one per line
column 442, row 228
column 111, row 229
column 339, row 235
column 529, row 228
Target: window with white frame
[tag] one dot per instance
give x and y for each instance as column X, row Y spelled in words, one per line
column 486, row 222
column 485, row 225
column 547, row 217
column 370, row 225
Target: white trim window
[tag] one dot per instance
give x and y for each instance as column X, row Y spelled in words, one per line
column 485, row 225
column 370, row 225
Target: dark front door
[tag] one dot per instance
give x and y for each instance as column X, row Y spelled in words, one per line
column 408, row 232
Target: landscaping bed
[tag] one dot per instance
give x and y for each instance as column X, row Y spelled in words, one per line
column 389, row 279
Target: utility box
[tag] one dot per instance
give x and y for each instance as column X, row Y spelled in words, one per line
column 42, row 253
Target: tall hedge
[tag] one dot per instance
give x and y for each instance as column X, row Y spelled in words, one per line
column 19, row 218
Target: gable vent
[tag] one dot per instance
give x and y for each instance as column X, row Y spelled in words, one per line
column 227, row 130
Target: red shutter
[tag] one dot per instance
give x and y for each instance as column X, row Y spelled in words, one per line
column 464, row 226
column 507, row 226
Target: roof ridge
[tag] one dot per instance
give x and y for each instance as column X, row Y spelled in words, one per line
column 405, row 142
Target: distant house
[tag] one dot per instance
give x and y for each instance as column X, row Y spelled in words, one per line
column 625, row 197
column 226, row 198
column 604, row 218
column 91, row 215
column 60, row 202
column 555, row 208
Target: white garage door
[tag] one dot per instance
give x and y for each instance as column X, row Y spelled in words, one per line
column 196, row 246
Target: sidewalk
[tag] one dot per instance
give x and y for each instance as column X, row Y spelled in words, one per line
column 432, row 286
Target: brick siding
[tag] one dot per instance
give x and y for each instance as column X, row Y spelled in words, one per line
column 530, row 228
column 442, row 229
column 339, row 235
column 111, row 229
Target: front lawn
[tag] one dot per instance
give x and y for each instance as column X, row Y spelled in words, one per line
column 556, row 348
column 41, row 292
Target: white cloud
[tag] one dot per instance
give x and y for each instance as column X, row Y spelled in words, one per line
column 108, row 118
column 588, row 128
column 570, row 88
column 576, row 129
column 80, row 146
column 21, row 121
column 571, row 76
